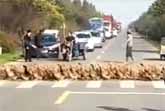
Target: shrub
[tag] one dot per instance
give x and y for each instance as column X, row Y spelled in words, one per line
column 8, row 43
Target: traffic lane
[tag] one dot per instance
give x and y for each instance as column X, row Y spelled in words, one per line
column 28, row 99
column 96, row 55
column 142, row 49
column 115, row 50
column 113, row 102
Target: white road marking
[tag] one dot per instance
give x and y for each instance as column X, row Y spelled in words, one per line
column 118, row 93
column 61, row 84
column 158, row 84
column 65, row 95
column 62, row 98
column 27, row 84
column 127, row 84
column 94, row 84
column 2, row 83
column 98, row 57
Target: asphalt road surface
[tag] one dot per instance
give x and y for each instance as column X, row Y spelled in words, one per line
column 82, row 96
column 115, row 50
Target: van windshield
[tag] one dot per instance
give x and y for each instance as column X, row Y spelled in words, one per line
column 106, row 24
column 95, row 34
column 83, row 35
column 48, row 40
column 163, row 42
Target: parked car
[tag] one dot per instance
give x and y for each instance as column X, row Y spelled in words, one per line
column 162, row 48
column 85, row 37
column 50, row 44
column 97, row 39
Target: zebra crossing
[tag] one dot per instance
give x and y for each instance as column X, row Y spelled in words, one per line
column 93, row 84
column 125, row 84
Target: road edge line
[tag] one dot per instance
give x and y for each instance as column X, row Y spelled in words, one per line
column 118, row 93
column 62, row 98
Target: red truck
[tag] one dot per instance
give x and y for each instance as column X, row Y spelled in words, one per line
column 108, row 25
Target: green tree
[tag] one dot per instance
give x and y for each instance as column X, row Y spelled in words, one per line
column 152, row 21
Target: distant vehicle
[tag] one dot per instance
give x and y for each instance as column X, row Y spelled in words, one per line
column 108, row 26
column 85, row 37
column 50, row 43
column 162, row 49
column 97, row 24
column 114, row 33
column 97, row 39
column 119, row 27
column 107, row 33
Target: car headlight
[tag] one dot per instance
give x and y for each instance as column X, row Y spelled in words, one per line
column 88, row 45
column 45, row 50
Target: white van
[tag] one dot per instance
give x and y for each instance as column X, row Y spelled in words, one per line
column 85, row 37
column 162, row 48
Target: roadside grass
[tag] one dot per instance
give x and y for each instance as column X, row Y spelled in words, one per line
column 9, row 57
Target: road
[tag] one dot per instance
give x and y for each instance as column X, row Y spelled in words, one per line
column 114, row 50
column 82, row 96
column 89, row 95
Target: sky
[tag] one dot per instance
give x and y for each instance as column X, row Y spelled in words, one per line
column 125, row 11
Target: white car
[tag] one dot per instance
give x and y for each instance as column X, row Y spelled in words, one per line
column 97, row 39
column 85, row 37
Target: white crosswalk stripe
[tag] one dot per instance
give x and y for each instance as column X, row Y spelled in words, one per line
column 127, row 84
column 61, row 84
column 2, row 83
column 158, row 84
column 28, row 84
column 98, row 57
column 94, row 84
column 89, row 84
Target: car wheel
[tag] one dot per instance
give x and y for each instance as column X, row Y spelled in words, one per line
column 161, row 57
column 101, row 46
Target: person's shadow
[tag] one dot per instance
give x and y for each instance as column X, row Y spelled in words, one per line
column 108, row 108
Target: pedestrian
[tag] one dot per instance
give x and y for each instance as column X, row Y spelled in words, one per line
column 129, row 46
column 70, row 37
column 75, row 48
column 69, row 44
column 37, row 42
column 28, row 46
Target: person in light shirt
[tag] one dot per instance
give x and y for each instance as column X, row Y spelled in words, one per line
column 129, row 46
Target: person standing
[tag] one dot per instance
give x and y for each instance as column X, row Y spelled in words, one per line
column 69, row 43
column 129, row 46
column 37, row 42
column 28, row 46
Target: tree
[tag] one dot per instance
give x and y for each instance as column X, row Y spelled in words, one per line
column 152, row 21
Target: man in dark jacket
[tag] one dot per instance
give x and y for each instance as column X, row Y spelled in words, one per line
column 28, row 46
column 37, row 42
column 38, row 38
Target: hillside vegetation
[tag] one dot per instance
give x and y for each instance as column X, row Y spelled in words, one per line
column 152, row 22
column 19, row 15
